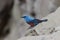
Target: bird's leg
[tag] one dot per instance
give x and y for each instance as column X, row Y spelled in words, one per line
column 30, row 27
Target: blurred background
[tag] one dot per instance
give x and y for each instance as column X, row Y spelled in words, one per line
column 35, row 8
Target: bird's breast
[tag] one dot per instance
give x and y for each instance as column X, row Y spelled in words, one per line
column 31, row 24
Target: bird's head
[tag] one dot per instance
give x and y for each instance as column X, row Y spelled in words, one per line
column 24, row 17
column 28, row 18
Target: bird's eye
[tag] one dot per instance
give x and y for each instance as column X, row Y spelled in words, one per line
column 24, row 16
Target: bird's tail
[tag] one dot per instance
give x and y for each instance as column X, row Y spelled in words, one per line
column 44, row 20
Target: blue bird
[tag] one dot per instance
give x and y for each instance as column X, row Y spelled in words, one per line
column 32, row 21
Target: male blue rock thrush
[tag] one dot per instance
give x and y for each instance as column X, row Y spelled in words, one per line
column 32, row 21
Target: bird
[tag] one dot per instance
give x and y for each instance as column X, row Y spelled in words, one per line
column 33, row 21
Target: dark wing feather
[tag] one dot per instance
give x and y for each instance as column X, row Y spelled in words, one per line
column 34, row 22
column 39, row 21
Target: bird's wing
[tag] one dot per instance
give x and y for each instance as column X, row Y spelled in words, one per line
column 37, row 20
column 34, row 22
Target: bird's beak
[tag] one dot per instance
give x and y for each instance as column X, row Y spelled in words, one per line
column 22, row 17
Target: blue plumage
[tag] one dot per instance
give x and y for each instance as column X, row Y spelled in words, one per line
column 28, row 18
column 32, row 21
